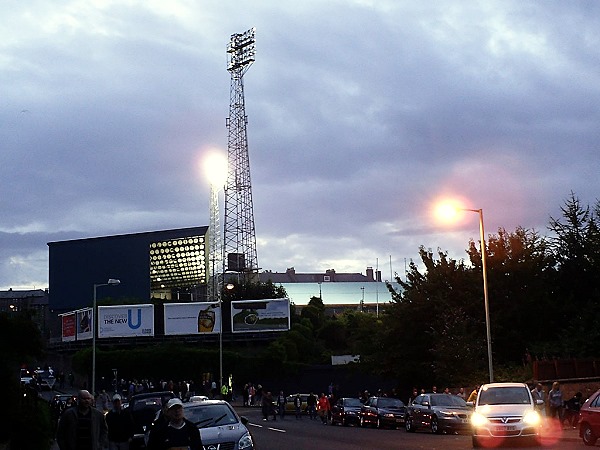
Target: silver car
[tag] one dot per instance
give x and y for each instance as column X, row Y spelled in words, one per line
column 439, row 413
column 220, row 426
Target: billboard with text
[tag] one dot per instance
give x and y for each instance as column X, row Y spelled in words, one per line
column 125, row 321
column 260, row 315
column 192, row 318
column 68, row 326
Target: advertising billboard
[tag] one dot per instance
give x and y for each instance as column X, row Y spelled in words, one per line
column 68, row 327
column 125, row 321
column 260, row 315
column 192, row 318
column 84, row 324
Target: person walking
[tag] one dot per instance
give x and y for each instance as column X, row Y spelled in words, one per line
column 177, row 433
column 120, row 426
column 298, row 406
column 82, row 427
column 281, row 402
column 323, row 408
column 311, row 406
column 555, row 403
column 537, row 393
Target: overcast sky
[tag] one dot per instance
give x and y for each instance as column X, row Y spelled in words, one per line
column 361, row 115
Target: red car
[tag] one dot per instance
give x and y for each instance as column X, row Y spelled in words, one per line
column 589, row 419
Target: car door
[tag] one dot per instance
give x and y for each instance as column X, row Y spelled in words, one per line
column 422, row 410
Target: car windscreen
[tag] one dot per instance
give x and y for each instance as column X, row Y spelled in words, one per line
column 504, row 396
column 447, row 400
column 352, row 402
column 206, row 415
column 389, row 403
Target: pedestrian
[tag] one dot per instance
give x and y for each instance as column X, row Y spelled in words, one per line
column 281, row 402
column 555, row 403
column 323, row 408
column 413, row 395
column 104, row 401
column 473, row 394
column 298, row 406
column 571, row 410
column 461, row 393
column 177, row 433
column 311, row 406
column 82, row 427
column 267, row 406
column 120, row 426
column 539, row 396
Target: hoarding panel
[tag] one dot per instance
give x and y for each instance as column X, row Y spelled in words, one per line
column 125, row 321
column 68, row 327
column 192, row 318
column 84, row 324
column 260, row 315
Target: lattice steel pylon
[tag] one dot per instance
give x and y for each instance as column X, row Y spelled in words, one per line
column 239, row 234
column 215, row 251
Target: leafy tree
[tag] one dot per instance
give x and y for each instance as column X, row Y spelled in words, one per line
column 520, row 270
column 576, row 246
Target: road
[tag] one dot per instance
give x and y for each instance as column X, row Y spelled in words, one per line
column 291, row 434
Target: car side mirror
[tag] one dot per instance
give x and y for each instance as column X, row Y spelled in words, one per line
column 244, row 420
column 539, row 402
column 471, row 404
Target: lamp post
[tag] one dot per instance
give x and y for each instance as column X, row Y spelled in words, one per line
column 110, row 282
column 485, row 291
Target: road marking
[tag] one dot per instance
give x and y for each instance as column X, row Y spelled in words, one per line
column 279, row 430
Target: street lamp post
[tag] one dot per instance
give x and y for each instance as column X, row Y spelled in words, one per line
column 485, row 291
column 111, row 282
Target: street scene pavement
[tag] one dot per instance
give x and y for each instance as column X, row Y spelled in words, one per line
column 551, row 435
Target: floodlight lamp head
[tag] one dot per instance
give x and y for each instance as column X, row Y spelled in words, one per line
column 113, row 281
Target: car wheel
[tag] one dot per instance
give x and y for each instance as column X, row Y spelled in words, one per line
column 408, row 424
column 588, row 436
column 435, row 428
column 476, row 443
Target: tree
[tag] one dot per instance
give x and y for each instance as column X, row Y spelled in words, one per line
column 520, row 277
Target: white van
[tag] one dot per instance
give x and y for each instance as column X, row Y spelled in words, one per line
column 505, row 411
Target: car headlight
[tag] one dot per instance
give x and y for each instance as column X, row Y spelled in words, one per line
column 245, row 442
column 446, row 413
column 388, row 415
column 478, row 420
column 532, row 418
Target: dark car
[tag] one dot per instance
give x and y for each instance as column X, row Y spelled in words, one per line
column 439, row 413
column 346, row 411
column 382, row 411
column 144, row 409
column 589, row 419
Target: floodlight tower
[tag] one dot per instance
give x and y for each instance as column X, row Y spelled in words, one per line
column 239, row 235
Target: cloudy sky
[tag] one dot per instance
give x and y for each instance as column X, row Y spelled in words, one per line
column 362, row 114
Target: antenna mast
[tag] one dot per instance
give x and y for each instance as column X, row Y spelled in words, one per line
column 239, row 234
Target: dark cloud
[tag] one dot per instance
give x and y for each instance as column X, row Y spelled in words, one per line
column 361, row 115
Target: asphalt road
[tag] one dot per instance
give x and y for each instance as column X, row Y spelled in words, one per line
column 305, row 433
column 290, row 433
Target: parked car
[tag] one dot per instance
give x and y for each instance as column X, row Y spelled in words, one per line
column 439, row 413
column 220, row 426
column 505, row 412
column 589, row 419
column 382, row 411
column 346, row 411
column 144, row 408
column 45, row 378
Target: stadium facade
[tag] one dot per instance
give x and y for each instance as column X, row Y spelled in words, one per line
column 170, row 265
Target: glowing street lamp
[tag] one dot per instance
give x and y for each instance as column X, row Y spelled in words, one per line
column 110, row 282
column 449, row 211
